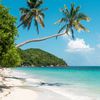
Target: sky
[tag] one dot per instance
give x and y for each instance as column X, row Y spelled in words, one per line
column 83, row 51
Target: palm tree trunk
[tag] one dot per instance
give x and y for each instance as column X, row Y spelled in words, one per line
column 40, row 39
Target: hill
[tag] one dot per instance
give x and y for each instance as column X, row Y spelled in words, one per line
column 38, row 57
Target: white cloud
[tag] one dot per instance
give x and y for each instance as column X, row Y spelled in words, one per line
column 78, row 45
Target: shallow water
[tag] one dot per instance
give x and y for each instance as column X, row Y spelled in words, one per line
column 73, row 83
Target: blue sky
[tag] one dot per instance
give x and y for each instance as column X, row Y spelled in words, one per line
column 85, row 50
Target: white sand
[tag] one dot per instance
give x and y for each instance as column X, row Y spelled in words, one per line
column 70, row 95
column 15, row 93
column 21, row 94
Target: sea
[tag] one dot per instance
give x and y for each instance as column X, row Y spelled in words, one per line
column 70, row 83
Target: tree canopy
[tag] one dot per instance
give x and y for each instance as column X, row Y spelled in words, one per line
column 9, row 56
column 32, row 13
column 72, row 20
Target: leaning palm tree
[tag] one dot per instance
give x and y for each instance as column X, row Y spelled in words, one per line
column 71, row 20
column 32, row 13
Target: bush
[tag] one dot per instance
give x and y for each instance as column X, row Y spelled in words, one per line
column 8, row 53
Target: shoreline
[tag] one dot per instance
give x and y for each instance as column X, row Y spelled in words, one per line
column 18, row 88
column 15, row 85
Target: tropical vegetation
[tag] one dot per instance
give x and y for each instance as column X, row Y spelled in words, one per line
column 72, row 20
column 32, row 12
column 40, row 58
column 9, row 55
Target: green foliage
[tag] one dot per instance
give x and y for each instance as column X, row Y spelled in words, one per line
column 37, row 57
column 11, row 58
column 8, row 53
column 72, row 20
column 32, row 13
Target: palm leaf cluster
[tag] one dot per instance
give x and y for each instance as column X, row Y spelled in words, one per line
column 32, row 13
column 72, row 20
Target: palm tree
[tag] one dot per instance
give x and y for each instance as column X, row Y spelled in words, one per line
column 72, row 20
column 32, row 13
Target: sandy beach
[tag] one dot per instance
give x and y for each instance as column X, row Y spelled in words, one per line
column 21, row 94
column 15, row 85
column 14, row 88
column 11, row 87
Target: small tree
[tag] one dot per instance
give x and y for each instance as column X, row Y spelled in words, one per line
column 9, row 56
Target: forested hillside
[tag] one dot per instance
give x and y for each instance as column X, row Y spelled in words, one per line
column 38, row 57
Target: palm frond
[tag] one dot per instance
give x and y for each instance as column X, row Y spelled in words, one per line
column 82, row 16
column 62, row 28
column 77, row 9
column 76, row 26
column 66, row 8
column 60, row 21
column 36, row 25
column 72, row 10
column 31, row 3
column 23, row 17
column 83, row 28
column 23, row 20
column 42, row 15
column 24, row 10
column 72, row 33
column 66, row 14
column 38, row 3
column 29, row 21
column 41, row 22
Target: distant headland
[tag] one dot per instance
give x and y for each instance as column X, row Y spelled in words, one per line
column 40, row 58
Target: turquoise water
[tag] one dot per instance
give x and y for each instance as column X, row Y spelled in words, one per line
column 82, row 81
column 72, row 75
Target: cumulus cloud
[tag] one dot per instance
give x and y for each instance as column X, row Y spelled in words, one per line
column 78, row 45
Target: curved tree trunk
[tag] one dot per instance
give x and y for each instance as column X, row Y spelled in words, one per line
column 40, row 39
